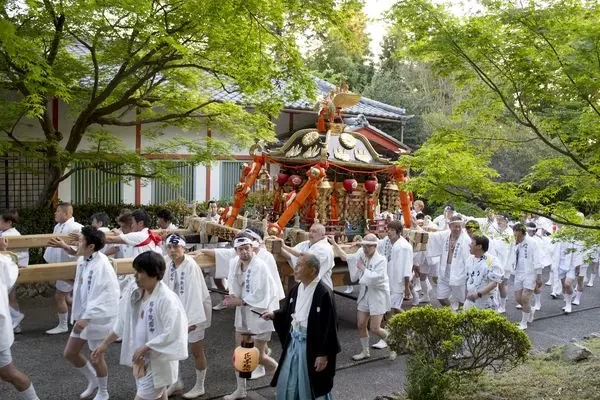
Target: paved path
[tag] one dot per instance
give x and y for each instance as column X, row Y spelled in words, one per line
column 41, row 355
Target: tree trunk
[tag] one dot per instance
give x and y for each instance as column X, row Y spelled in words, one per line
column 46, row 196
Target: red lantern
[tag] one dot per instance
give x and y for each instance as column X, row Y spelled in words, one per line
column 295, row 180
column 350, row 184
column 371, row 184
column 282, row 178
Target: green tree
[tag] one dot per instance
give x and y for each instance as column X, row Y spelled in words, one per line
column 343, row 51
column 534, row 76
column 120, row 62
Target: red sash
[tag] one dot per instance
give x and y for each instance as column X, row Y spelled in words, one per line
column 152, row 237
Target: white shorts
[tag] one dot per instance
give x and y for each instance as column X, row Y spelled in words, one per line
column 196, row 335
column 524, row 282
column 5, row 357
column 562, row 274
column 445, row 291
column 92, row 344
column 145, row 387
column 583, row 270
column 374, row 302
column 396, row 300
column 265, row 337
column 64, row 286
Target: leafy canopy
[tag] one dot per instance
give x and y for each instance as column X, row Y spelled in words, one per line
column 158, row 62
column 534, row 77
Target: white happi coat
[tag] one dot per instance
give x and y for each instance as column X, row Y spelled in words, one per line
column 166, row 328
column 134, row 239
column 544, row 252
column 567, row 255
column 9, row 271
column 188, row 283
column 373, row 279
column 223, row 261
column 95, row 296
column 502, row 246
column 58, row 255
column 324, row 252
column 257, row 289
column 438, row 246
column 528, row 251
column 399, row 256
column 480, row 272
column 22, row 254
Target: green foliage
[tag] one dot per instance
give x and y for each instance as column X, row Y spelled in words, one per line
column 534, row 90
column 445, row 348
column 158, row 63
column 343, row 50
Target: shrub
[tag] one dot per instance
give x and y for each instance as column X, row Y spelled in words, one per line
column 445, row 347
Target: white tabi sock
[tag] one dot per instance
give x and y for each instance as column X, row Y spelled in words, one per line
column 240, row 392
column 102, row 393
column 200, row 377
column 29, row 394
column 524, row 320
column 592, row 277
column 90, row 374
column 537, row 301
column 577, row 298
column 568, row 299
column 63, row 319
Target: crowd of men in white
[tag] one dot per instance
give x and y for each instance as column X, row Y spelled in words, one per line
column 468, row 263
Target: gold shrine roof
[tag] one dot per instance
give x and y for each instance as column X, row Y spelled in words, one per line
column 348, row 148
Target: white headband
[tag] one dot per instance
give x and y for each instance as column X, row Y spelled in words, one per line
column 460, row 221
column 237, row 242
column 368, row 242
column 176, row 240
column 254, row 235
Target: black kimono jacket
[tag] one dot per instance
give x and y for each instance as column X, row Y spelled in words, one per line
column 321, row 336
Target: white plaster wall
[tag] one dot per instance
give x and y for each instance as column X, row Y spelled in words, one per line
column 29, row 129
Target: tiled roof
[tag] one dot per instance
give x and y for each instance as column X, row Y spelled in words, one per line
column 367, row 107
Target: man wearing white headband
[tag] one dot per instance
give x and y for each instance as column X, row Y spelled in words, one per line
column 224, row 257
column 316, row 244
column 185, row 278
column 369, row 268
column 252, row 292
column 453, row 249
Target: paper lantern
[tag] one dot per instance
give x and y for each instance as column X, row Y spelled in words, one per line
column 350, row 184
column 295, row 180
column 245, row 357
column 282, row 178
column 371, row 184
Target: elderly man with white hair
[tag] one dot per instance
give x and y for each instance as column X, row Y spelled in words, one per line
column 317, row 245
column 252, row 292
column 369, row 268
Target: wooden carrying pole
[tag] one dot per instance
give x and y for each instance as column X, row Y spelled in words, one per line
column 41, row 240
column 66, row 271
